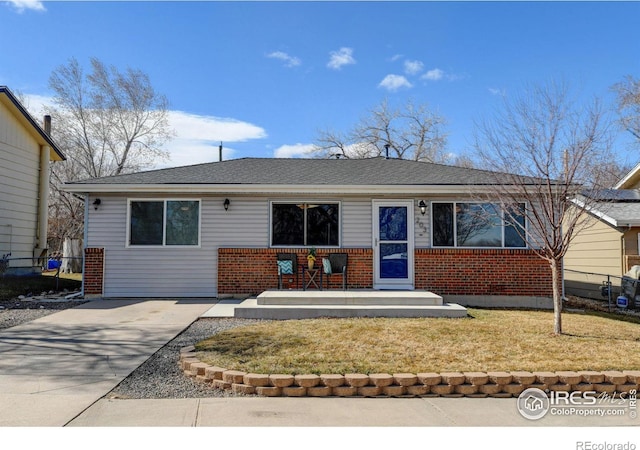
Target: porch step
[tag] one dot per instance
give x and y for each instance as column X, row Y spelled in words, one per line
column 353, row 297
column 250, row 309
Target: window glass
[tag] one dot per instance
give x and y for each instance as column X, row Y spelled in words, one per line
column 514, row 227
column 478, row 225
column 182, row 222
column 146, row 223
column 305, row 224
column 322, row 224
column 171, row 222
column 287, row 221
column 393, row 223
column 442, row 224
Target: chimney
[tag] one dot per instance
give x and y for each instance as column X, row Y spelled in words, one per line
column 220, row 152
column 47, row 125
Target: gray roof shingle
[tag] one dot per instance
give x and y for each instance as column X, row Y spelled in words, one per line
column 336, row 172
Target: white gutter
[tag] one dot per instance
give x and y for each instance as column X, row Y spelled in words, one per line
column 278, row 189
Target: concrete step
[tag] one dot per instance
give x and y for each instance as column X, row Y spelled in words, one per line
column 250, row 309
column 352, row 297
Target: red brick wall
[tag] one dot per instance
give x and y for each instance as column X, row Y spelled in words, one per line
column 482, row 272
column 254, row 270
column 93, row 271
column 443, row 271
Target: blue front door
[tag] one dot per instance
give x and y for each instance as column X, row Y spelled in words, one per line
column 393, row 244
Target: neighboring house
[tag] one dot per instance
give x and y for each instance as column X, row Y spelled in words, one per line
column 26, row 151
column 611, row 244
column 215, row 229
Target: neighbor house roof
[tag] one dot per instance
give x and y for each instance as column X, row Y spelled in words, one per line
column 630, row 180
column 618, row 207
column 14, row 105
column 301, row 175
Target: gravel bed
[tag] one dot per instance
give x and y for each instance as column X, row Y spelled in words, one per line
column 17, row 312
column 160, row 376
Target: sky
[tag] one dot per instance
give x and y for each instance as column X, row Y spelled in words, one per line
column 264, row 77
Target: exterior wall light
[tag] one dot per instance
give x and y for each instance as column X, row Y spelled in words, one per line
column 423, row 207
column 96, row 203
column 226, row 204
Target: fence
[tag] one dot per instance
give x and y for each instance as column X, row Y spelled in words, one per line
column 599, row 286
column 48, row 264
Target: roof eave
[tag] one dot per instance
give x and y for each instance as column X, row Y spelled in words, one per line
column 412, row 189
column 9, row 100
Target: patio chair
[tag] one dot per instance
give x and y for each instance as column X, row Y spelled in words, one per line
column 287, row 265
column 335, row 264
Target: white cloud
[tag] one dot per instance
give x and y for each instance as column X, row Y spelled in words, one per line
column 289, row 61
column 196, row 139
column 413, row 67
column 294, row 151
column 341, row 58
column 22, row 5
column 496, row 91
column 394, row 82
column 395, row 57
column 433, row 75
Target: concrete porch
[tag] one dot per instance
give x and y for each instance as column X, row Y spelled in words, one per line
column 294, row 304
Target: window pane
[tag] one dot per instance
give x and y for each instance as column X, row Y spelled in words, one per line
column 322, row 224
column 478, row 225
column 442, row 224
column 394, row 262
column 146, row 223
column 287, row 222
column 514, row 227
column 182, row 222
column 393, row 223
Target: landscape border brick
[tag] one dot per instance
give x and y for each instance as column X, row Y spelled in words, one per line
column 497, row 384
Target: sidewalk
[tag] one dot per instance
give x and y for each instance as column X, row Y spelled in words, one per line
column 53, row 368
column 327, row 412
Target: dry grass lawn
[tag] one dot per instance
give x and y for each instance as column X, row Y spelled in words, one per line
column 490, row 340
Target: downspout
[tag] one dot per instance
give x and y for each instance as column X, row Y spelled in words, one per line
column 43, row 192
column 84, row 238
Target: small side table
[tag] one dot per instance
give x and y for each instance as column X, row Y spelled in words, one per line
column 312, row 278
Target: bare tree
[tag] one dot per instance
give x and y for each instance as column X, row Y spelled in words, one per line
column 544, row 147
column 411, row 132
column 107, row 122
column 628, row 96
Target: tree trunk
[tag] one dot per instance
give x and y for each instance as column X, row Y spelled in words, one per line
column 71, row 248
column 557, row 296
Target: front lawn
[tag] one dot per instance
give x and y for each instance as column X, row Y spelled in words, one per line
column 490, row 340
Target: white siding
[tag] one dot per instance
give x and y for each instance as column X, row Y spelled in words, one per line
column 171, row 271
column 19, row 172
column 356, row 223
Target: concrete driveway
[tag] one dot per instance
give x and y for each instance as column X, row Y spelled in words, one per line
column 55, row 367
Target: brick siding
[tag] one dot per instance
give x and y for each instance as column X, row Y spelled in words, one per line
column 443, row 271
column 93, row 271
column 482, row 272
column 254, row 270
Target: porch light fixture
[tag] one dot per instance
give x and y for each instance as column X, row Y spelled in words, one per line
column 226, row 204
column 96, row 203
column 423, row 207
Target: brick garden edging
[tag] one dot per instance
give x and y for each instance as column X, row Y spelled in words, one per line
column 449, row 384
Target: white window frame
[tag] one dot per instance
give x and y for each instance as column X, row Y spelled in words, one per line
column 164, row 222
column 297, row 202
column 455, row 225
